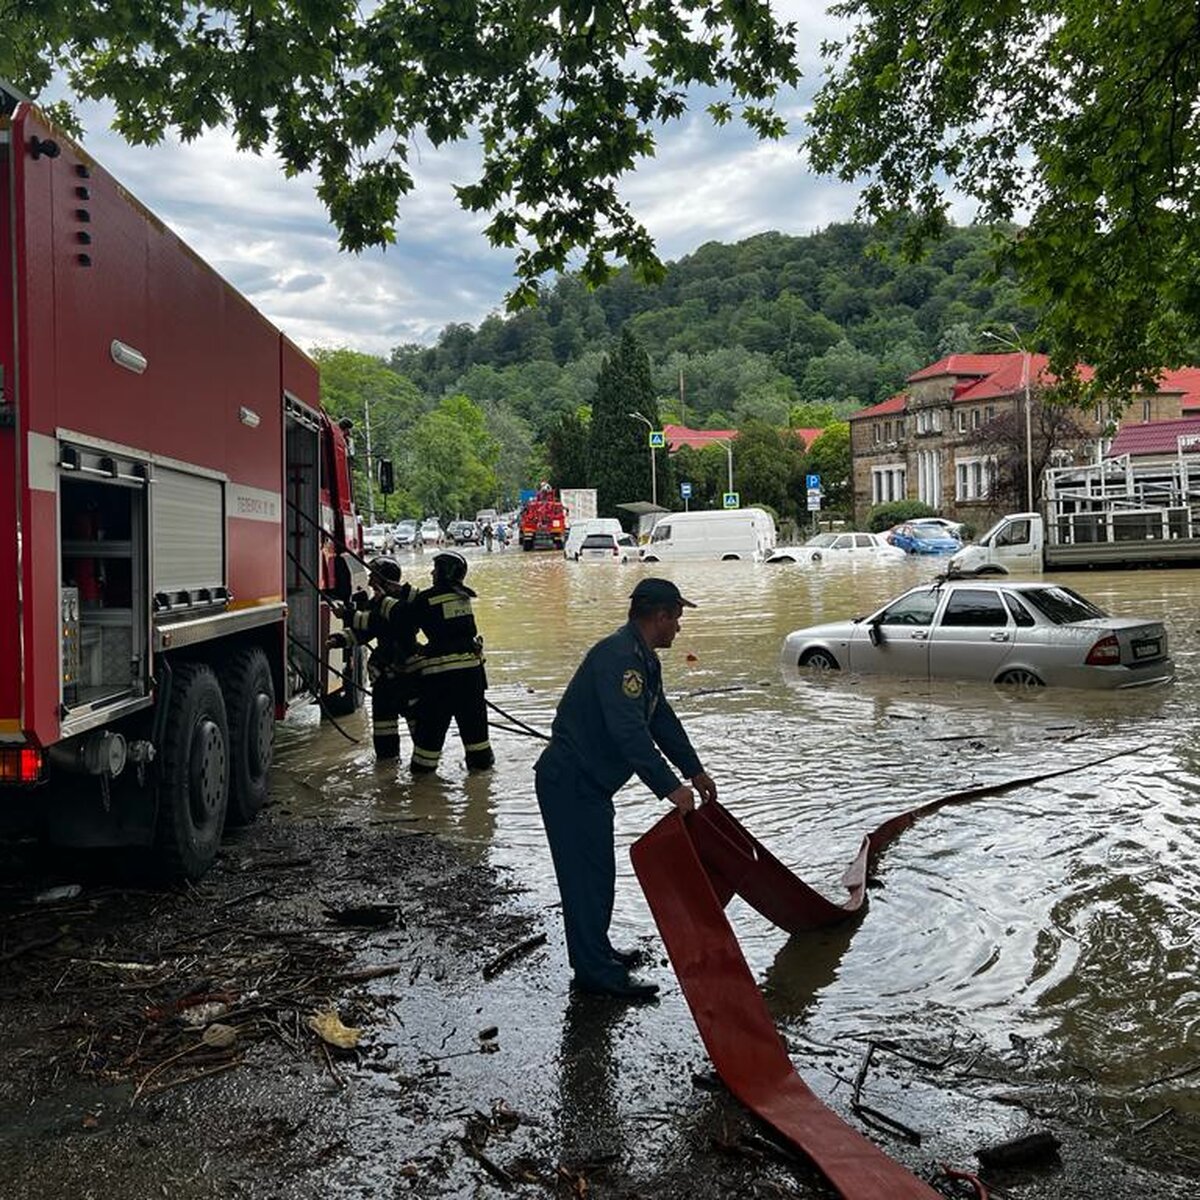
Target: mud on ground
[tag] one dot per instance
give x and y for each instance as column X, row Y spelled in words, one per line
column 162, row 1043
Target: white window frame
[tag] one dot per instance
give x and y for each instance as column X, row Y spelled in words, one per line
column 973, row 477
column 888, row 484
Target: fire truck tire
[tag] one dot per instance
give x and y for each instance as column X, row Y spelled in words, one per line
column 350, row 698
column 250, row 702
column 193, row 773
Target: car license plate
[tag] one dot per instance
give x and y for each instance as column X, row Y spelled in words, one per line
column 1146, row 649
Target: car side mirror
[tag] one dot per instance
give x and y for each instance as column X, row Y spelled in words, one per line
column 875, row 634
column 387, row 478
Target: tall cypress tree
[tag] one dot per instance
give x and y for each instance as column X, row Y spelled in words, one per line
column 618, row 450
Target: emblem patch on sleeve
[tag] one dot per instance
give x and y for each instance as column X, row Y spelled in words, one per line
column 632, row 684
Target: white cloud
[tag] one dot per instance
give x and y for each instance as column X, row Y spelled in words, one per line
column 270, row 237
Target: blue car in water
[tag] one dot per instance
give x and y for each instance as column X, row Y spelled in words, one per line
column 914, row 538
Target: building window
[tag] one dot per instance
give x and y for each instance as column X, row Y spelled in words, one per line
column 1146, row 409
column 887, row 484
column 960, row 420
column 877, row 433
column 976, row 416
column 929, row 477
column 990, row 413
column 972, row 478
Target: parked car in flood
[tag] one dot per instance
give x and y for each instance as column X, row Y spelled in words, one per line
column 432, row 533
column 1026, row 634
column 840, row 547
column 914, row 538
column 377, row 539
column 405, row 533
column 464, row 533
column 608, row 547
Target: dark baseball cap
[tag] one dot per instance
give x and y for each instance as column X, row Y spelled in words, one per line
column 658, row 591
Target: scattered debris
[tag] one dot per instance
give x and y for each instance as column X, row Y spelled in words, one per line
column 327, row 1025
column 507, row 957
column 1039, row 1147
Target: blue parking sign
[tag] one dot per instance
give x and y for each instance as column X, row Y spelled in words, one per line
column 685, row 490
column 812, row 483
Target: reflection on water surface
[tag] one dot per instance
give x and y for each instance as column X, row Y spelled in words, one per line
column 1064, row 912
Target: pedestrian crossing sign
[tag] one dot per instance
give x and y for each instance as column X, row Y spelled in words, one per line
column 658, row 439
column 731, row 500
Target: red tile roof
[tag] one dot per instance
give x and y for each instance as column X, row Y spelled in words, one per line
column 1186, row 381
column 885, row 408
column 697, row 439
column 962, row 364
column 681, row 435
column 989, row 376
column 1155, row 437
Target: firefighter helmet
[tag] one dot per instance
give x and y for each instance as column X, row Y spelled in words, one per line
column 449, row 567
column 386, row 568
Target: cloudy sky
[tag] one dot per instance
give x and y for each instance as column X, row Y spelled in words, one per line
column 270, row 237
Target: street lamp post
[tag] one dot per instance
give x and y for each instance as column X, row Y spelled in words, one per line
column 729, row 456
column 1025, row 387
column 637, row 416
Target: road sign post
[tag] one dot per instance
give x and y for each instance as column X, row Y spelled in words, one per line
column 685, row 490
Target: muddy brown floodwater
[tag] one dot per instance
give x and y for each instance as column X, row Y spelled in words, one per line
column 1027, row 961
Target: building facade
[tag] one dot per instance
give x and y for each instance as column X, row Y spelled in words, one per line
column 927, row 443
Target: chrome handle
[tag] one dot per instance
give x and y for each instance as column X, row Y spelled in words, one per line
column 999, row 637
column 919, row 635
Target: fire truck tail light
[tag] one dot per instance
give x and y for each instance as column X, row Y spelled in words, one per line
column 20, row 764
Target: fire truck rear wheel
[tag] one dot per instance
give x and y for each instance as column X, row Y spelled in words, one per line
column 250, row 702
column 194, row 773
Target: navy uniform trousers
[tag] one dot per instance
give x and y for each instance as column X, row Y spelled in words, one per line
column 578, row 815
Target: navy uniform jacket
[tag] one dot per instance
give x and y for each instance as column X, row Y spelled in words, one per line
column 612, row 715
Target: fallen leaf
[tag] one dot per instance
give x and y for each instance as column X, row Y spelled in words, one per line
column 219, row 1036
column 328, row 1027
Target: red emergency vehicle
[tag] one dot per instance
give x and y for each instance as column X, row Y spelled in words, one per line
column 175, row 509
column 543, row 521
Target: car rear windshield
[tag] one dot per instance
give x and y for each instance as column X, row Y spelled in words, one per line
column 1062, row 605
column 598, row 541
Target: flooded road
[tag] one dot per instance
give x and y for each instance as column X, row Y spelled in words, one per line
column 1054, row 923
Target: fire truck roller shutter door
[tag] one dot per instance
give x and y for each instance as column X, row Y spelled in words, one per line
column 188, row 527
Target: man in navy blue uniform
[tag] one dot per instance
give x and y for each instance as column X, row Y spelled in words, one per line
column 612, row 722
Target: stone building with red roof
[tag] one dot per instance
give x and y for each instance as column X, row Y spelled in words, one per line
column 925, row 443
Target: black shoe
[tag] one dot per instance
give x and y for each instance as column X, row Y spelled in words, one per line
column 629, row 958
column 634, row 990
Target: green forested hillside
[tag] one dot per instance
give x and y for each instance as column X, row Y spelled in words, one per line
column 788, row 331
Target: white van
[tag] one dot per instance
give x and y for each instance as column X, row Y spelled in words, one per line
column 580, row 529
column 747, row 533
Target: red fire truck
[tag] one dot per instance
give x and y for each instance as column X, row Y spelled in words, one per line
column 175, row 512
column 543, row 521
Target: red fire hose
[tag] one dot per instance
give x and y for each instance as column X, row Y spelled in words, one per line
column 688, row 871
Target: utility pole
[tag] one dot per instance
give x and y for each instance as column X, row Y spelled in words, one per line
column 1014, row 343
column 682, row 406
column 370, row 464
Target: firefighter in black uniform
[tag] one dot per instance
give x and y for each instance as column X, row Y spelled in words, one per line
column 387, row 619
column 452, row 676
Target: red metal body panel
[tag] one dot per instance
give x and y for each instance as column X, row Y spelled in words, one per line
column 92, row 265
column 10, row 642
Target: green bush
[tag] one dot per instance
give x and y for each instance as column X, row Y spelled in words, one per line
column 884, row 516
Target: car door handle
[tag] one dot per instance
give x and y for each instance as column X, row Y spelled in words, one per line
column 919, row 635
column 999, row 637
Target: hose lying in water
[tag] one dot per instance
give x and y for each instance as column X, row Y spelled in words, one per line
column 689, row 868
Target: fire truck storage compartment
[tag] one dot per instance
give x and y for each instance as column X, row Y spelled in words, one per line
column 102, row 522
column 303, row 544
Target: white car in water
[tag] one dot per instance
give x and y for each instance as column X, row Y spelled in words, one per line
column 1023, row 634
column 840, row 548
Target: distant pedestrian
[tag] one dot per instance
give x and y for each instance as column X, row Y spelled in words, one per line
column 452, row 676
column 387, row 618
column 611, row 723
column 488, row 534
column 502, row 535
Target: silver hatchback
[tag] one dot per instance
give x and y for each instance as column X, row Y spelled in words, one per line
column 1025, row 634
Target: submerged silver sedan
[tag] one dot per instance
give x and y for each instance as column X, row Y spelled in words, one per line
column 1025, row 634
